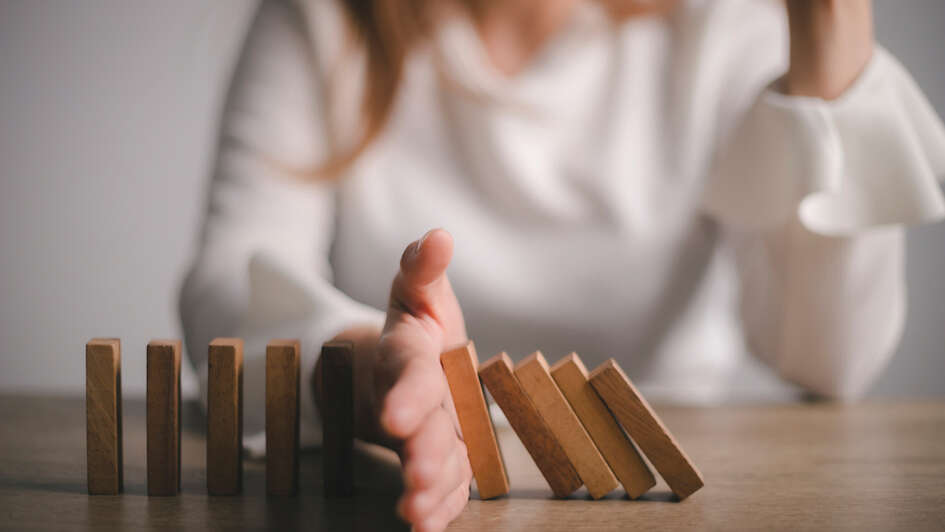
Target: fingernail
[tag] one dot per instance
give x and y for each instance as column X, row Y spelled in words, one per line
column 423, row 239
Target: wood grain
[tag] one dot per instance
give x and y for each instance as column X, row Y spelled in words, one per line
column 646, row 429
column 338, row 418
column 461, row 367
column 225, row 416
column 103, row 416
column 624, row 460
column 163, row 417
column 533, row 373
column 282, row 417
column 547, row 453
column 877, row 464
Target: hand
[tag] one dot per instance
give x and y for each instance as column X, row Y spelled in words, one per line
column 402, row 399
column 831, row 43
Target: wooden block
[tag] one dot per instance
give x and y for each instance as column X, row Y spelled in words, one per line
column 614, row 445
column 103, row 416
column 461, row 366
column 163, row 417
column 533, row 373
column 496, row 374
column 282, row 417
column 338, row 418
column 225, row 416
column 646, row 429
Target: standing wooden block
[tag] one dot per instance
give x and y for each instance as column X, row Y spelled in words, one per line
column 461, row 366
column 496, row 373
column 225, row 416
column 282, row 417
column 163, row 417
column 103, row 416
column 624, row 460
column 338, row 418
column 646, row 429
column 536, row 379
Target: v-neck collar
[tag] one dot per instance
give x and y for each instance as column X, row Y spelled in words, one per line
column 465, row 61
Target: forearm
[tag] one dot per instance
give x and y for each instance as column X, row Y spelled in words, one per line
column 831, row 42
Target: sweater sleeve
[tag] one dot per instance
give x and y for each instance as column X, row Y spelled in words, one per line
column 262, row 270
column 815, row 195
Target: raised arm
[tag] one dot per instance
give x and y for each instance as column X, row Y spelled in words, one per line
column 813, row 186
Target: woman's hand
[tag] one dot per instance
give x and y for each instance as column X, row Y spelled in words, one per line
column 831, row 43
column 402, row 399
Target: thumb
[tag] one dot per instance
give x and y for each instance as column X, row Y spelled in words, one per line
column 425, row 260
column 421, row 282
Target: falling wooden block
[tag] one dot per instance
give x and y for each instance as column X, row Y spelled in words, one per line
column 338, row 418
column 282, row 417
column 163, row 417
column 614, row 445
column 496, row 373
column 103, row 416
column 535, row 377
column 225, row 416
column 461, row 367
column 646, row 429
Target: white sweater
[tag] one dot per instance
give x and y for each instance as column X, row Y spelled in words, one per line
column 641, row 192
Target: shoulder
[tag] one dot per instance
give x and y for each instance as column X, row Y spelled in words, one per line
column 295, row 30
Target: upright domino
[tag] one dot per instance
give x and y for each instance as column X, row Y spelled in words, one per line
column 163, row 417
column 225, row 416
column 535, row 377
column 461, row 366
column 624, row 460
column 282, row 417
column 103, row 416
column 646, row 429
column 338, row 418
column 496, row 373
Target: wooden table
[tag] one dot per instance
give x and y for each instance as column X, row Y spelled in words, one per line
column 874, row 466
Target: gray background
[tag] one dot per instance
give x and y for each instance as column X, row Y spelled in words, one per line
column 107, row 130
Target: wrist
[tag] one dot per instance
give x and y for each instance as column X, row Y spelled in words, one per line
column 831, row 41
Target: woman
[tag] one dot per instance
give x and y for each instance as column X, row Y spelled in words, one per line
column 667, row 183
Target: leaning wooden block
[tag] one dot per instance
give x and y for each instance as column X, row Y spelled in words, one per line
column 163, row 417
column 496, row 373
column 646, row 429
column 225, row 416
column 624, row 460
column 282, row 417
column 535, row 377
column 461, row 366
column 338, row 418
column 103, row 416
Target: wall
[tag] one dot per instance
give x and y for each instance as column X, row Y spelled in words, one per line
column 107, row 120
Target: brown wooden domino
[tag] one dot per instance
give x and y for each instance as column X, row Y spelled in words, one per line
column 461, row 366
column 624, row 460
column 533, row 373
column 225, row 416
column 496, row 373
column 338, row 418
column 646, row 429
column 282, row 417
column 163, row 417
column 103, row 416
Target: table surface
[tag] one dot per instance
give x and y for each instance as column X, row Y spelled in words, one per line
column 874, row 466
